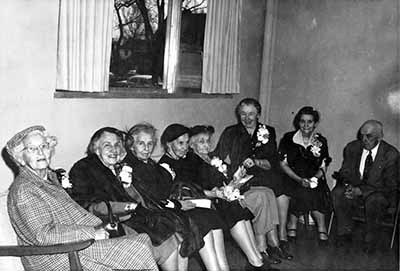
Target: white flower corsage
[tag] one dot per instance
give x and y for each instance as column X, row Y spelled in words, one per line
column 316, row 146
column 262, row 135
column 168, row 168
column 313, row 182
column 219, row 164
column 231, row 193
column 125, row 176
column 65, row 183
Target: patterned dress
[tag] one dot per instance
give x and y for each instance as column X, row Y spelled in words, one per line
column 305, row 162
column 42, row 213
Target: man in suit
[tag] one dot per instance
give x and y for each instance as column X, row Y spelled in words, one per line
column 369, row 177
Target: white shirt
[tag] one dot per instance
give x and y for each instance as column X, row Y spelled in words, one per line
column 364, row 157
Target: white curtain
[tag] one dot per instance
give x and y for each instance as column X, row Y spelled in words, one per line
column 221, row 47
column 84, row 45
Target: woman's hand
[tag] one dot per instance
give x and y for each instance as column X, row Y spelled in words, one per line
column 305, row 182
column 187, row 205
column 100, row 234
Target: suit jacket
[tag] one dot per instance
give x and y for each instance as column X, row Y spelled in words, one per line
column 384, row 174
column 42, row 213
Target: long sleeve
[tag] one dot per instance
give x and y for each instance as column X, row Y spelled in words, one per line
column 33, row 218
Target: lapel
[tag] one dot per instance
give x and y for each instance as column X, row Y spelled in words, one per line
column 379, row 159
column 358, row 161
column 105, row 177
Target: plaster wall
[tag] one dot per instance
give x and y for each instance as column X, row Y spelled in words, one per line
column 342, row 57
column 28, row 36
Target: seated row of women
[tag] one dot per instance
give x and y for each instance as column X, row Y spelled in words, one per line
column 118, row 178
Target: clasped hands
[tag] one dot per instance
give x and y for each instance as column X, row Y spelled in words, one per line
column 351, row 192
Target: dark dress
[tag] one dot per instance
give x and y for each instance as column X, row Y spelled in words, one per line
column 305, row 164
column 157, row 182
column 236, row 144
column 92, row 183
column 194, row 169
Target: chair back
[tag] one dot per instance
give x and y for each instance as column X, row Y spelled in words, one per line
column 7, row 237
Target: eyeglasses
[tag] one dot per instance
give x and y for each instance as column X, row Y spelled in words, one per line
column 35, row 149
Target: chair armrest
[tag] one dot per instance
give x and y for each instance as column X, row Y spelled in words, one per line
column 19, row 251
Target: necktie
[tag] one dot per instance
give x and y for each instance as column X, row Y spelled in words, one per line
column 368, row 165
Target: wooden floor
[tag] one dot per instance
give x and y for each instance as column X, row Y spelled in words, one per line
column 309, row 256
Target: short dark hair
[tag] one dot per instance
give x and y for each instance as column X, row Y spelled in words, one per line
column 247, row 101
column 306, row 110
column 96, row 136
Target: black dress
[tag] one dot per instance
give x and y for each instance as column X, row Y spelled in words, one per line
column 305, row 162
column 156, row 181
column 237, row 144
column 195, row 169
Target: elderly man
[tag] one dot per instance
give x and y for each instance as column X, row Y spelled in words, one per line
column 368, row 176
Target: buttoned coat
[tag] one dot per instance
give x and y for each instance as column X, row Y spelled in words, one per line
column 42, row 213
column 384, row 174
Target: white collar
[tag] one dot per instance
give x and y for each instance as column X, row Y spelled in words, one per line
column 298, row 138
column 374, row 151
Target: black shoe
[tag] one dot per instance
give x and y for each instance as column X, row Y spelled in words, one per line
column 369, row 248
column 322, row 241
column 279, row 252
column 268, row 257
column 264, row 267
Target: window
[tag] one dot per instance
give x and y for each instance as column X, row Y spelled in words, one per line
column 139, row 38
column 151, row 46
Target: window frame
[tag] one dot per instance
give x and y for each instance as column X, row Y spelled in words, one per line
column 170, row 70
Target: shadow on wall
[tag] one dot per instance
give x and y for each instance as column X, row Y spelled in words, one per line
column 9, row 162
column 385, row 98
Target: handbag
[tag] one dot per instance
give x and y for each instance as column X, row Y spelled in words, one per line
column 113, row 226
column 184, row 190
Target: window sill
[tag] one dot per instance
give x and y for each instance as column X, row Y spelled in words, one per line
column 142, row 93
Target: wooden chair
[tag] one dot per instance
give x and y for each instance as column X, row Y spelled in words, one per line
column 70, row 248
column 9, row 248
column 390, row 219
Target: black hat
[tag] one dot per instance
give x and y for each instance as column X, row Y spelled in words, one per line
column 172, row 132
column 201, row 129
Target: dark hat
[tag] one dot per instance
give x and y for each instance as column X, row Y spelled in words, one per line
column 201, row 129
column 172, row 132
column 17, row 138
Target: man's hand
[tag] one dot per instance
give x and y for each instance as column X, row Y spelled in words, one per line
column 187, row 205
column 100, row 234
column 351, row 192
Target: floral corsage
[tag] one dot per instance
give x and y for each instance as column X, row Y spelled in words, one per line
column 220, row 165
column 316, row 146
column 125, row 176
column 262, row 135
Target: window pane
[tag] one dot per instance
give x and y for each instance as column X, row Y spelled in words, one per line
column 191, row 45
column 138, row 43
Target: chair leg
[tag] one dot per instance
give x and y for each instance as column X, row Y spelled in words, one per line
column 74, row 262
column 396, row 220
column 330, row 222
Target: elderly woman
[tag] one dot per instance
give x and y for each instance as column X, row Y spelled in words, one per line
column 157, row 182
column 97, row 180
column 42, row 213
column 211, row 175
column 253, row 145
column 304, row 160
